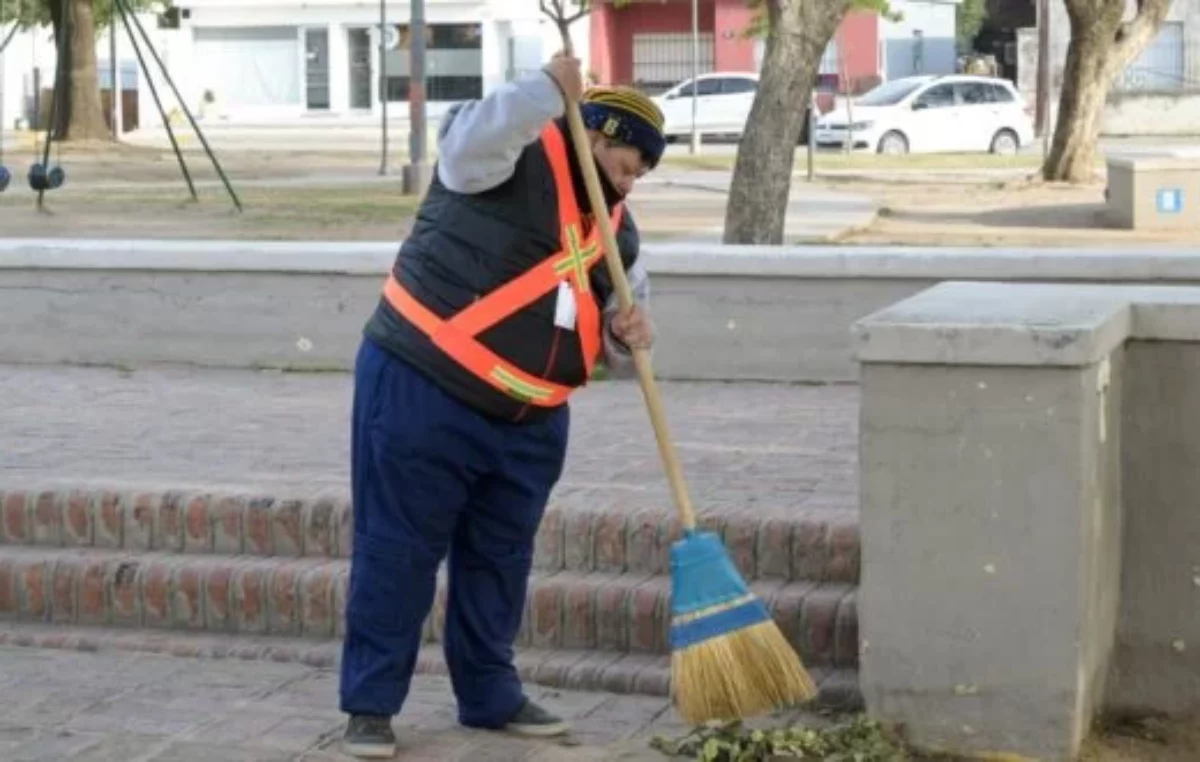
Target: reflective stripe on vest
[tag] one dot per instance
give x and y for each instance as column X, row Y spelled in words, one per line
column 572, row 263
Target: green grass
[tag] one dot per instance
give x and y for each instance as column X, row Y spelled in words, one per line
column 303, row 213
column 336, row 205
column 307, row 206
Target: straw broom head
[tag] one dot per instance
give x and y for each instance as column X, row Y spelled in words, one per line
column 729, row 659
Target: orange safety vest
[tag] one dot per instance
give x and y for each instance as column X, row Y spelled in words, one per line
column 572, row 263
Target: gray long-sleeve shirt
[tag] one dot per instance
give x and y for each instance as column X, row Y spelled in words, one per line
column 479, row 143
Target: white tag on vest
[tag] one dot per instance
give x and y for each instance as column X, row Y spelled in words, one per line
column 565, row 306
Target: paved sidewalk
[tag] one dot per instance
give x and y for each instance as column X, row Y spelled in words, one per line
column 70, row 706
column 690, row 205
column 769, row 449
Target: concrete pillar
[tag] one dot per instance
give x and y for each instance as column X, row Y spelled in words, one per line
column 339, row 69
column 991, row 514
column 493, row 53
column 1158, row 633
column 599, row 62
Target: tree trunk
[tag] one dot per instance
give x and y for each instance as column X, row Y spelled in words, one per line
column 60, row 107
column 797, row 35
column 1101, row 46
column 1087, row 78
column 81, row 112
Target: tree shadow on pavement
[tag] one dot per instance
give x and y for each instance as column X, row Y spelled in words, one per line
column 1051, row 216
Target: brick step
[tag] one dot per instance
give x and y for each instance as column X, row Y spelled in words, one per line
column 819, row 544
column 305, row 597
column 570, row 670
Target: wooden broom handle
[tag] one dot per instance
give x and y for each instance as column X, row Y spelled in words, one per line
column 616, row 269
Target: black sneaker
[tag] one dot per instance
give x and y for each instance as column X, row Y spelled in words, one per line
column 369, row 737
column 532, row 720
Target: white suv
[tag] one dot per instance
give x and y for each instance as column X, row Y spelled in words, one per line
column 945, row 114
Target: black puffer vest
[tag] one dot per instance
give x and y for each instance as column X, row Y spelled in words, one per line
column 461, row 248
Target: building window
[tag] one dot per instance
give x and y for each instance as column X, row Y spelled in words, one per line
column 1159, row 68
column 453, row 62
column 831, row 60
column 662, row 61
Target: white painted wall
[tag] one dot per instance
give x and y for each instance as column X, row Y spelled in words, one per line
column 502, row 21
column 26, row 51
column 935, row 20
column 935, row 17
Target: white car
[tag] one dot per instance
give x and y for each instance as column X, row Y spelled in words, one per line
column 723, row 101
column 932, row 114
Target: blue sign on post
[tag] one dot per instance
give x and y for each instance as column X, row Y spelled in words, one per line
column 1170, row 200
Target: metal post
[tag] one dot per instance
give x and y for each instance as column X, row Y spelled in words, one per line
column 415, row 175
column 121, row 9
column 127, row 15
column 812, row 135
column 115, row 88
column 3, row 74
column 1040, row 117
column 383, row 95
column 695, row 148
column 1044, row 78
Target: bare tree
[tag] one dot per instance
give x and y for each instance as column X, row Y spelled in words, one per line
column 797, row 33
column 1102, row 44
column 84, row 117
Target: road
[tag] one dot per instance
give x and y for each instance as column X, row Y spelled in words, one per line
column 363, row 138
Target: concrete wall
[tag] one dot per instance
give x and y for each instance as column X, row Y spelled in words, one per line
column 751, row 313
column 1151, row 114
column 1154, row 192
column 1028, row 522
column 1158, row 635
column 922, row 41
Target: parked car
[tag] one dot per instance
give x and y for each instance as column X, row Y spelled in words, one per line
column 932, row 114
column 723, row 101
column 723, row 105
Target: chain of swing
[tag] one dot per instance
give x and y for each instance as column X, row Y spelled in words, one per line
column 5, row 175
column 44, row 176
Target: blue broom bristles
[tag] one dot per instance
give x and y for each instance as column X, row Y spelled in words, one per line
column 709, row 598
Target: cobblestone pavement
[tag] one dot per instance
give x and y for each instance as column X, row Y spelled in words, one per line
column 760, row 447
column 69, row 706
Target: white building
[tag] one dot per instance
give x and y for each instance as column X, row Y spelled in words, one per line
column 289, row 60
column 284, row 59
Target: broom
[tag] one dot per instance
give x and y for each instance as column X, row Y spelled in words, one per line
column 729, row 659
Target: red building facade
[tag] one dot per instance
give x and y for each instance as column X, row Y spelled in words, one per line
column 648, row 43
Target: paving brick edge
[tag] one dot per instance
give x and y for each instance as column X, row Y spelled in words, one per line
column 819, row 544
column 306, row 597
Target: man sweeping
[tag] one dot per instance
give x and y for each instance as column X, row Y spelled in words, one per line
column 497, row 308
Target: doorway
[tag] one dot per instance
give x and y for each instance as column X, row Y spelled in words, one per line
column 359, row 44
column 316, row 51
